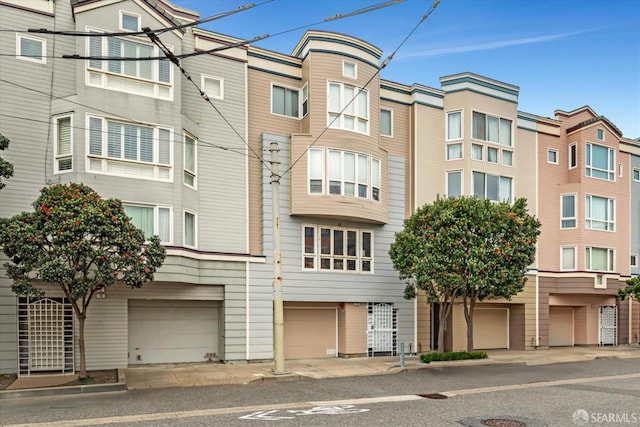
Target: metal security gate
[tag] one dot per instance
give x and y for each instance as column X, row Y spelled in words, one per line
column 608, row 321
column 382, row 331
column 45, row 335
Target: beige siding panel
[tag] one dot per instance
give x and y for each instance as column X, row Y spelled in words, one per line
column 310, row 333
column 429, row 154
column 561, row 326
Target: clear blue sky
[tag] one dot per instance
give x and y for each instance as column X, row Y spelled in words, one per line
column 563, row 54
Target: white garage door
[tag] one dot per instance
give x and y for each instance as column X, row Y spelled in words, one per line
column 309, row 333
column 490, row 328
column 172, row 331
column 560, row 326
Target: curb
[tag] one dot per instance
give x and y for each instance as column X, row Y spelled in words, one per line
column 121, row 385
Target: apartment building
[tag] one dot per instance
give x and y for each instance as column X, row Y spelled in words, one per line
column 354, row 156
column 140, row 132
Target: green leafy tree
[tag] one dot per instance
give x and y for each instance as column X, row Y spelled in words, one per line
column 466, row 248
column 6, row 168
column 632, row 290
column 81, row 242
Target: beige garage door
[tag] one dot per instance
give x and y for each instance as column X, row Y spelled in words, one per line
column 560, row 326
column 490, row 328
column 310, row 333
column 172, row 331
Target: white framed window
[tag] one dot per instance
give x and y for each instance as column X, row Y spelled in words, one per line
column 305, row 99
column 476, row 151
column 492, row 187
column 31, row 48
column 353, row 174
column 190, row 160
column 285, row 101
column 63, row 143
column 600, row 259
column 454, row 151
column 633, row 260
column 213, row 86
column 507, row 158
column 349, row 69
column 127, row 149
column 190, row 236
column 600, row 134
column 573, row 155
column 152, row 220
column 454, row 125
column 568, row 258
column 129, row 21
column 454, row 183
column 600, row 213
column 568, row 218
column 327, row 248
column 636, row 174
column 152, row 78
column 552, row 156
column 315, row 170
column 491, row 128
column 600, row 162
column 492, row 155
column 348, row 107
column 386, row 122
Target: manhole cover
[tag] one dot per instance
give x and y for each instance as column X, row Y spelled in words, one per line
column 433, row 396
column 501, row 422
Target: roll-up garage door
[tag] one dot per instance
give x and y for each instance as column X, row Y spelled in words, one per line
column 310, row 333
column 490, row 328
column 560, row 326
column 172, row 331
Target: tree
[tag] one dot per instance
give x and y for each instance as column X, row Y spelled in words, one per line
column 6, row 168
column 467, row 248
column 81, row 242
column 632, row 290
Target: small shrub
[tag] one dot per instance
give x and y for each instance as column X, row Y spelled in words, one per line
column 452, row 355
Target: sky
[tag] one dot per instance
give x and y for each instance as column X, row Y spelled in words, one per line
column 563, row 54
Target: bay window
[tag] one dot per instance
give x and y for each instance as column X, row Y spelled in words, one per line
column 600, row 259
column 348, row 107
column 334, row 249
column 492, row 187
column 152, row 220
column 600, row 213
column 491, row 128
column 600, row 161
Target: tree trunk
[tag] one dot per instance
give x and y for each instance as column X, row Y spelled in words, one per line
column 469, row 319
column 82, row 373
column 443, row 314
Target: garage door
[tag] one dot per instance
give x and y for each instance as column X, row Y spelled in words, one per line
column 310, row 333
column 490, row 328
column 172, row 331
column 560, row 326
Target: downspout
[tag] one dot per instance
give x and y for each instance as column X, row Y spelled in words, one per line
column 537, row 310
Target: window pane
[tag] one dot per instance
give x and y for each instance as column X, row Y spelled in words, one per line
column 478, row 184
column 493, row 190
column 492, row 129
column 385, row 122
column 164, row 148
column 348, row 101
column 189, row 153
column 113, row 46
column 334, row 97
column 291, row 103
column 505, row 132
column 130, row 142
column 164, row 224
column 507, row 158
column 363, row 104
column 113, row 139
column 454, row 184
column 64, row 135
column 277, row 100
column 31, row 48
column 492, row 155
column 568, row 258
column 349, row 69
column 189, row 229
column 129, row 22
column 599, row 158
column 141, row 217
column 164, row 71
column 478, row 126
column 505, row 189
column 338, row 242
column 315, row 170
column 309, row 240
column 146, row 145
column 95, row 49
column 352, row 238
column 95, row 136
column 375, row 173
column 212, row 87
column 366, row 244
column 325, row 241
column 599, row 259
column 454, row 125
column 476, row 152
column 454, row 151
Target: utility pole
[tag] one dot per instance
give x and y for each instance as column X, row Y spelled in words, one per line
column 278, row 309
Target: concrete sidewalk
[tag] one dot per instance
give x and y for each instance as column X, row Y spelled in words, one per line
column 199, row 374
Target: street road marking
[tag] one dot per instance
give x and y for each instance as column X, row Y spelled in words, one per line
column 310, row 405
column 316, row 410
column 536, row 385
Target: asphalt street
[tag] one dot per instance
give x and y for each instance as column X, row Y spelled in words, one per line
column 605, row 391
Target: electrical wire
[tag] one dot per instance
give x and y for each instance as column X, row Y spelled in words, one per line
column 382, row 66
